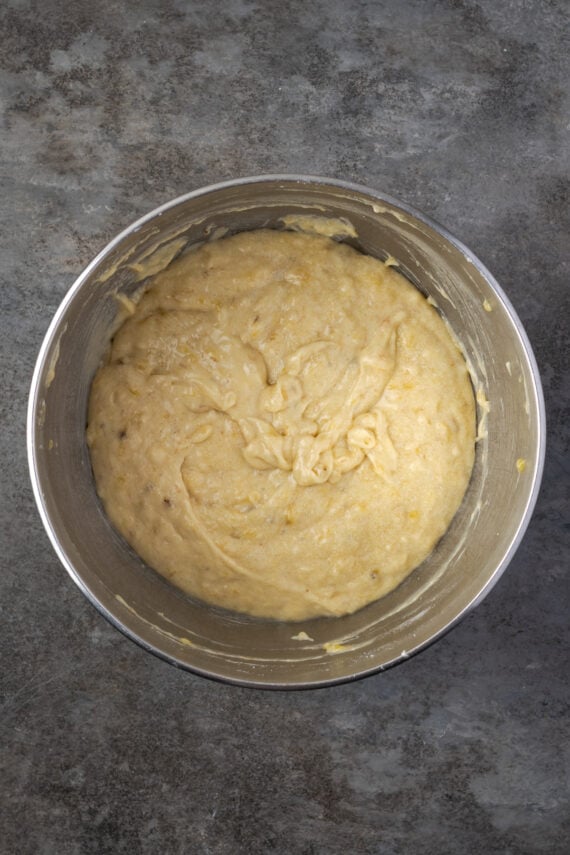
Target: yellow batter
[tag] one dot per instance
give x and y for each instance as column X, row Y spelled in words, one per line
column 283, row 427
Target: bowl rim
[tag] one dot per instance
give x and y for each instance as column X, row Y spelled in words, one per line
column 288, row 178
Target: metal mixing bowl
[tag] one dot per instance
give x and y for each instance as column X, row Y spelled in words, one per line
column 468, row 560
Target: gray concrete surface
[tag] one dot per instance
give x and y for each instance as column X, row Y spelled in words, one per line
column 111, row 108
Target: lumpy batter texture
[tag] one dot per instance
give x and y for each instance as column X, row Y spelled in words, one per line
column 283, row 427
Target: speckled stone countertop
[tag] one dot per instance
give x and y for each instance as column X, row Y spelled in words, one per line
column 109, row 108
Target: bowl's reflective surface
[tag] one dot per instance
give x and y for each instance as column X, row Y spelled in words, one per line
column 458, row 574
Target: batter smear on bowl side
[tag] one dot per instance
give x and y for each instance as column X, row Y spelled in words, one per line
column 283, row 427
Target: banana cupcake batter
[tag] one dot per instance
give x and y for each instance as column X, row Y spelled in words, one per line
column 283, row 427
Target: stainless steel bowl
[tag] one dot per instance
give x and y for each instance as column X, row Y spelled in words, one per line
column 467, row 562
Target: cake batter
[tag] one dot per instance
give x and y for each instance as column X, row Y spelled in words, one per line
column 283, row 427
